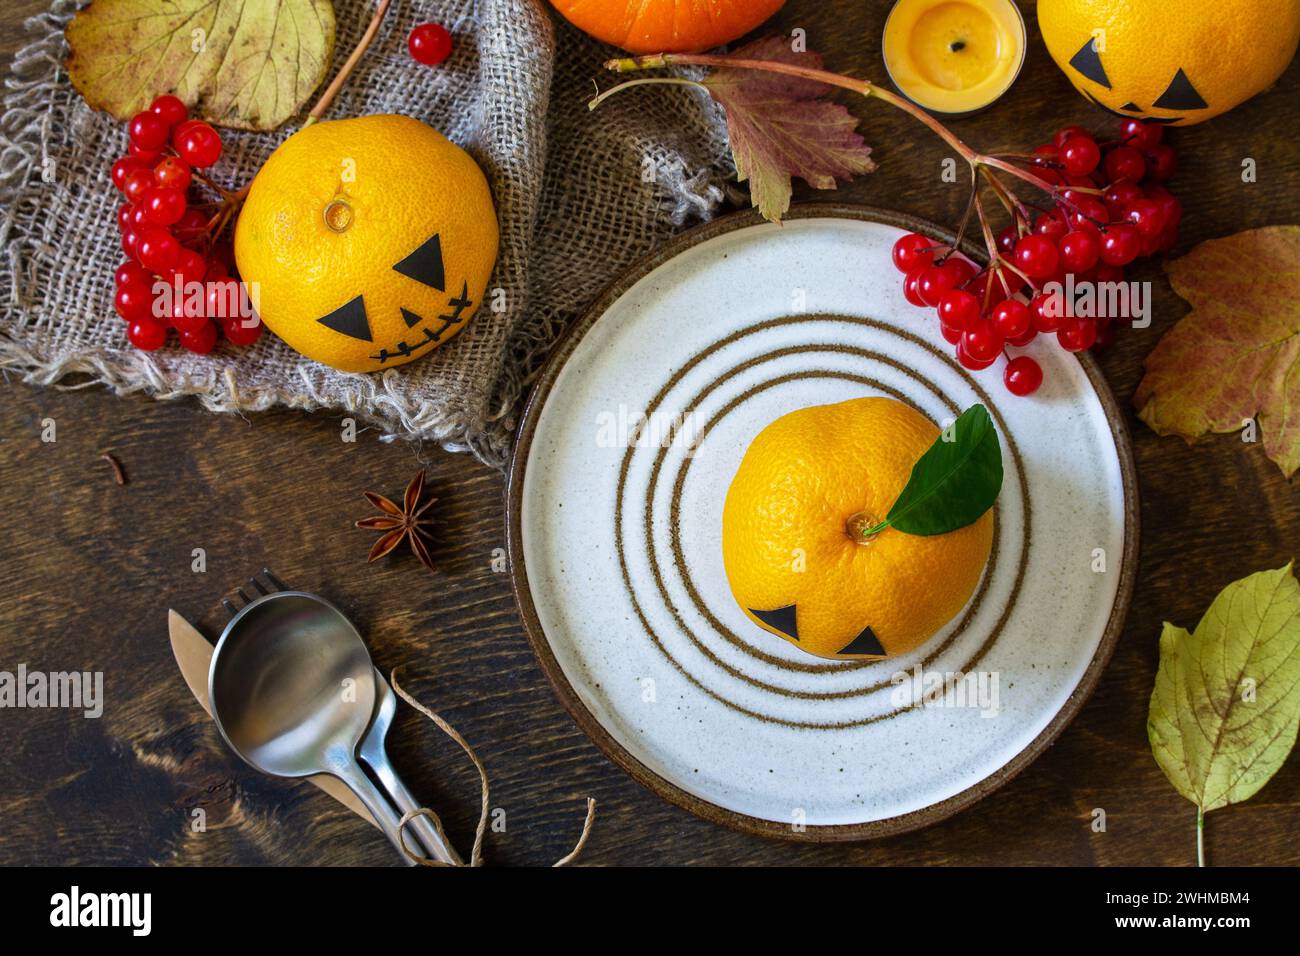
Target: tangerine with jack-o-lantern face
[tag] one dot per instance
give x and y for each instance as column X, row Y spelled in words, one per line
column 366, row 243
column 1176, row 63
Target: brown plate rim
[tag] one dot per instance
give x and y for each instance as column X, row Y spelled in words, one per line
column 592, row 727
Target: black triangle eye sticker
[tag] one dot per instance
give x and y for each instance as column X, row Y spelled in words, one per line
column 1087, row 62
column 350, row 319
column 1181, row 95
column 424, row 265
column 783, row 619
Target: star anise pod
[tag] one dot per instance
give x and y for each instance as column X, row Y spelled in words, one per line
column 398, row 523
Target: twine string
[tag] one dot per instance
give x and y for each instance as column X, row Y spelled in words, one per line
column 476, row 855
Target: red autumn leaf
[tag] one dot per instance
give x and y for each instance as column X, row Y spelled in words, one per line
column 1236, row 355
column 780, row 126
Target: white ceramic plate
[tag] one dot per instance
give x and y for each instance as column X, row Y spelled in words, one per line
column 615, row 537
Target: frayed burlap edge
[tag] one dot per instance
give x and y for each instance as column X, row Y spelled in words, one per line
column 36, row 70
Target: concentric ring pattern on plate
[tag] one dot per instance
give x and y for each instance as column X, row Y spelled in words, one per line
column 629, row 464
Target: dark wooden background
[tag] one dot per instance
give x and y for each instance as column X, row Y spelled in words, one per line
column 89, row 569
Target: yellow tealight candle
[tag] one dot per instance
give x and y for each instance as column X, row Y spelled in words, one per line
column 954, row 56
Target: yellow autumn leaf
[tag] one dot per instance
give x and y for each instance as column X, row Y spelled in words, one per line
column 247, row 64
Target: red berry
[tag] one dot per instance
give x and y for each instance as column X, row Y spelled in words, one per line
column 1080, row 154
column 190, row 265
column 197, row 143
column 1021, row 341
column 124, row 212
column 1051, row 224
column 933, row 281
column 1108, row 273
column 201, row 339
column 132, row 273
column 969, row 361
column 963, row 269
column 123, row 167
column 1148, row 215
column 1125, row 162
column 1090, row 212
column 172, row 173
column 1120, row 195
column 242, row 331
column 130, row 241
column 429, row 43
column 1007, row 239
column 1059, row 139
column 1042, row 307
column 910, row 290
column 982, row 342
column 133, row 301
column 185, row 313
column 191, row 225
column 1075, row 335
column 1022, row 375
column 169, row 109
column 1162, row 162
column 1036, row 257
column 913, row 252
column 1120, row 245
column 1169, row 204
column 164, row 206
column 148, row 131
column 146, row 334
column 1079, row 250
column 138, row 182
column 146, row 156
column 157, row 249
column 958, row 309
column 1011, row 319
column 953, row 336
column 1140, row 134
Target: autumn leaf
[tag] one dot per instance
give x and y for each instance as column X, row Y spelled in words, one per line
column 1226, row 704
column 779, row 126
column 248, row 64
column 1236, row 355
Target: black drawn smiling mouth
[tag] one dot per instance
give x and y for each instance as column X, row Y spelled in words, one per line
column 404, row 349
column 1135, row 110
column 425, row 266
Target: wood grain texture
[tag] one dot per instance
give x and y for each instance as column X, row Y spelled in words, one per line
column 91, row 567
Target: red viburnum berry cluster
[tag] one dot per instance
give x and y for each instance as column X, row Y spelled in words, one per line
column 1110, row 208
column 171, row 242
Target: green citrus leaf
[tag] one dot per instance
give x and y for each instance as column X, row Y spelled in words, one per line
column 247, row 64
column 780, row 126
column 955, row 481
column 1226, row 703
column 1237, row 353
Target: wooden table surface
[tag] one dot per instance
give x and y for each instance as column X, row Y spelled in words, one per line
column 89, row 569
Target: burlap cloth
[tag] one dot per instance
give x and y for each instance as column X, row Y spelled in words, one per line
column 579, row 196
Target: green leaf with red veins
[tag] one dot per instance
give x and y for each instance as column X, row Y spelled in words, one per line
column 781, row 126
column 1236, row 355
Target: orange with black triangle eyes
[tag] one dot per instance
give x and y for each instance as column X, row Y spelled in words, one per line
column 1177, row 63
column 367, row 242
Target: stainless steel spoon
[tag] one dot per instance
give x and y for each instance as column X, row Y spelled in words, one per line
column 293, row 691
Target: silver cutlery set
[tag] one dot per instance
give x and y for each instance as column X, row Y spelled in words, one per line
column 293, row 691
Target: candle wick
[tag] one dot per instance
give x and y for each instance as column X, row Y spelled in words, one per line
column 957, row 46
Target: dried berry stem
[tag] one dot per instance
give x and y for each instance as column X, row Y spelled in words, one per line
column 979, row 162
column 341, row 77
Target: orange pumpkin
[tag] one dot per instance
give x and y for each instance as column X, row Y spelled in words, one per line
column 666, row 26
